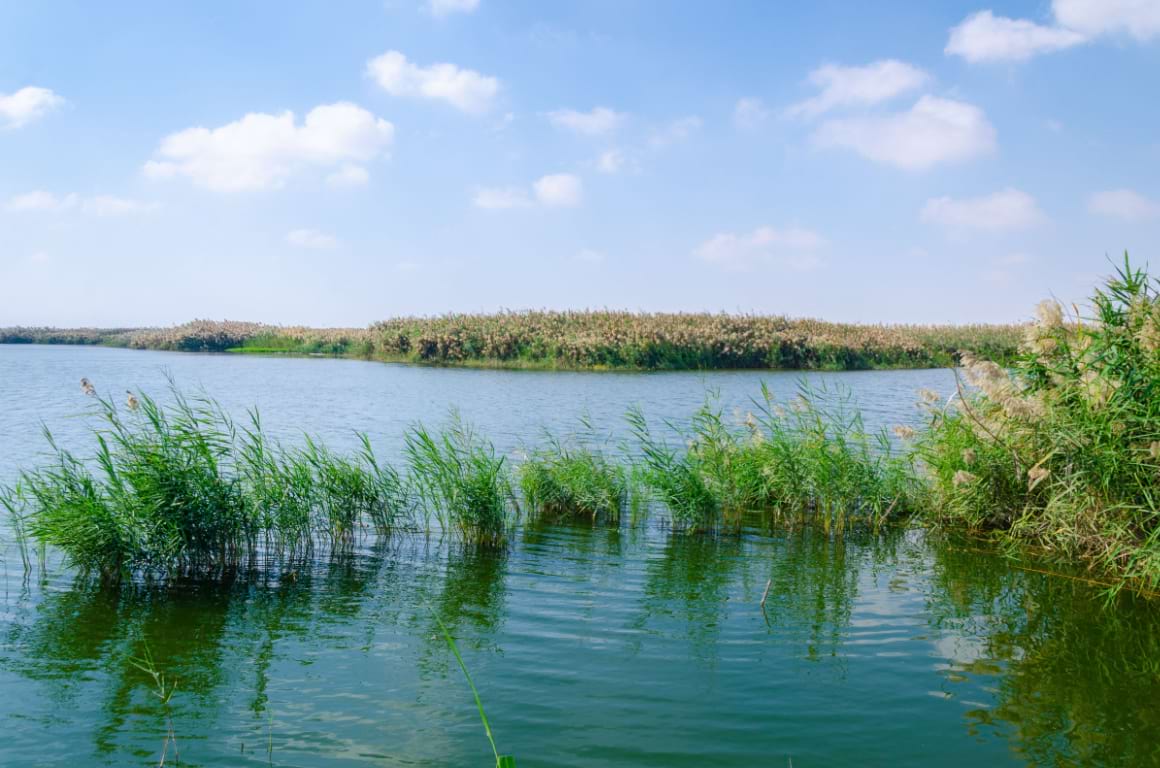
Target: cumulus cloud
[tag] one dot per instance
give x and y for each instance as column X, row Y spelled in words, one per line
column 874, row 83
column 676, row 131
column 987, row 37
column 557, row 190
column 598, row 122
column 262, row 151
column 40, row 201
column 932, row 132
column 983, row 36
column 749, row 113
column 793, row 248
column 464, row 89
column 1123, row 204
column 441, row 8
column 1003, row 211
column 26, row 106
column 311, row 239
column 1138, row 18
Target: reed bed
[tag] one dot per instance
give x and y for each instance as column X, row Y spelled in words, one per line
column 813, row 459
column 580, row 340
column 1062, row 450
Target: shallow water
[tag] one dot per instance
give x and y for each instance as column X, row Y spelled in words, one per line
column 590, row 646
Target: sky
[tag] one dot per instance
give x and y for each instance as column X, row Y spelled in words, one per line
column 337, row 163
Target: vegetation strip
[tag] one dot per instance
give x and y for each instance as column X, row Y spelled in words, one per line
column 579, row 340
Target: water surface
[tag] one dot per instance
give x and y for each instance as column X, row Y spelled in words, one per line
column 590, row 646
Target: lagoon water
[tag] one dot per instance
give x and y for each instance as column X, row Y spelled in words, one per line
column 589, row 646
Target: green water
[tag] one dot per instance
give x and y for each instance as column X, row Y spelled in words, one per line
column 590, row 646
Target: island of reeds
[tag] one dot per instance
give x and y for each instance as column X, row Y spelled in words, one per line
column 579, row 340
column 1058, row 451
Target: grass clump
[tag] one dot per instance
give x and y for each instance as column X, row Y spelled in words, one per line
column 574, row 480
column 179, row 488
column 1063, row 449
column 814, row 458
column 459, row 479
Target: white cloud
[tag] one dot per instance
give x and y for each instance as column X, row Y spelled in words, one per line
column 26, row 105
column 793, row 248
column 262, row 151
column 1003, row 211
column 559, row 190
column 39, row 201
column 500, row 198
column 464, row 89
column 749, row 113
column 987, row 37
column 349, row 175
column 1123, row 204
column 441, row 8
column 108, row 205
column 932, row 132
column 599, row 122
column 874, row 83
column 1138, row 18
column 99, row 205
column 311, row 239
column 677, row 131
column 611, row 161
column 984, row 36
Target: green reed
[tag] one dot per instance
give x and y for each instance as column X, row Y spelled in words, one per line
column 459, row 478
column 570, row 478
column 1062, row 450
column 813, row 458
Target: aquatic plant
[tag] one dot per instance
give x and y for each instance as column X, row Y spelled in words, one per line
column 460, row 480
column 814, row 457
column 585, row 339
column 571, row 479
column 180, row 488
column 1062, row 450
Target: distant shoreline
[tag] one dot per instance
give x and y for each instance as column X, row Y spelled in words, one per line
column 611, row 341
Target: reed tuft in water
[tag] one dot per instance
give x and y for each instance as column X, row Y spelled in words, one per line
column 571, row 479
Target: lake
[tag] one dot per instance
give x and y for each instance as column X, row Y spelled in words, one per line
column 590, row 646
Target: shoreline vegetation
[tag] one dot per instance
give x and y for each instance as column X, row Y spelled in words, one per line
column 1057, row 452
column 585, row 340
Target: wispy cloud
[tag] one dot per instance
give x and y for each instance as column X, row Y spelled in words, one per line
column 1124, row 204
column 864, row 86
column 1003, row 211
column 600, row 121
column 934, row 131
column 465, row 89
column 311, row 239
column 556, row 190
column 794, row 248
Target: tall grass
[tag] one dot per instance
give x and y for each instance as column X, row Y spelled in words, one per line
column 1063, row 449
column 813, row 458
column 460, row 479
column 181, row 488
column 572, row 479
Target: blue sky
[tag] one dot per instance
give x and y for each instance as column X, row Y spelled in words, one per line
column 337, row 163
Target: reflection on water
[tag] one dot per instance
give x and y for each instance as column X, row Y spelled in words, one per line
column 593, row 646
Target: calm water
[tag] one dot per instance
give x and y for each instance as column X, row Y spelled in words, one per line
column 590, row 646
